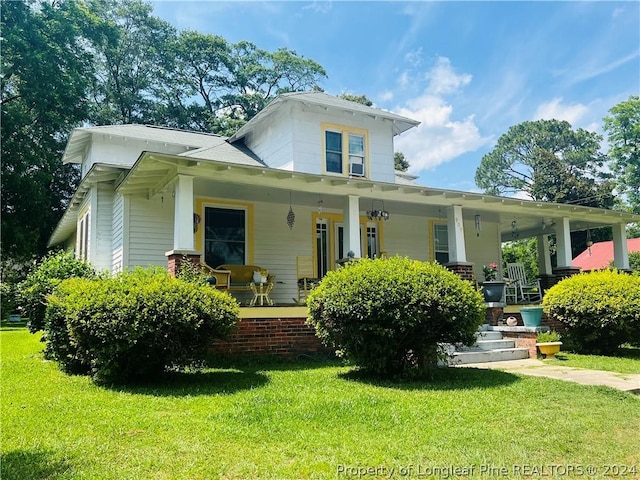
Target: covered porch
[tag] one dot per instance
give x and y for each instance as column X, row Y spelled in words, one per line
column 222, row 213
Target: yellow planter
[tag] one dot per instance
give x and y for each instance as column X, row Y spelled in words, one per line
column 549, row 349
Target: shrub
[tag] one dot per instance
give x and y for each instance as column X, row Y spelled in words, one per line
column 551, row 336
column 599, row 310
column 135, row 324
column 388, row 315
column 43, row 279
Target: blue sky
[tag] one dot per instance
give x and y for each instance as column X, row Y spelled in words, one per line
column 467, row 70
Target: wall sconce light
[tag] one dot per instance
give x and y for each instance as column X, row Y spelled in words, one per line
column 478, row 225
column 377, row 214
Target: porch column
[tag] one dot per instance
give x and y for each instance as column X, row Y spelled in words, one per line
column 183, row 220
column 455, row 228
column 563, row 236
column 544, row 256
column 352, row 225
column 620, row 249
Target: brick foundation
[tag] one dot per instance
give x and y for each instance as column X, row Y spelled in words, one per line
column 524, row 340
column 271, row 336
column 463, row 269
column 494, row 315
column 175, row 258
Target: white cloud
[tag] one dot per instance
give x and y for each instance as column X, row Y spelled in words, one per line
column 319, row 6
column 444, row 80
column 439, row 138
column 555, row 109
column 386, row 96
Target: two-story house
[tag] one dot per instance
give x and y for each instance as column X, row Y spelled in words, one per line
column 310, row 175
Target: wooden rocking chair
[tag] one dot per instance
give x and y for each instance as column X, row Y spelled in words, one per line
column 305, row 276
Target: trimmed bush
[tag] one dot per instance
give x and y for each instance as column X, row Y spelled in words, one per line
column 389, row 315
column 599, row 310
column 134, row 325
column 43, row 279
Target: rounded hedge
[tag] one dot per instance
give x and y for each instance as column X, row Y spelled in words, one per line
column 135, row 324
column 388, row 316
column 599, row 310
column 43, row 279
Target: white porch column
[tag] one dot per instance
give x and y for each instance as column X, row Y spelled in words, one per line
column 352, row 225
column 455, row 230
column 183, row 220
column 563, row 236
column 620, row 249
column 544, row 255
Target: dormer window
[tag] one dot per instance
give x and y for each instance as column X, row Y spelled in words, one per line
column 345, row 150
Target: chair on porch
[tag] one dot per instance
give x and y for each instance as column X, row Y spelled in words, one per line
column 520, row 289
column 220, row 279
column 305, row 276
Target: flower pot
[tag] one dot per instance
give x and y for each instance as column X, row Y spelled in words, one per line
column 531, row 316
column 493, row 290
column 549, row 349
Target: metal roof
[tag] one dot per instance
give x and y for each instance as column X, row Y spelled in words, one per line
column 400, row 123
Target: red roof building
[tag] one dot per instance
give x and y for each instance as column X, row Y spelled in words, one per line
column 601, row 254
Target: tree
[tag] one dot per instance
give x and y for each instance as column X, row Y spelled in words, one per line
column 623, row 129
column 217, row 87
column 400, row 162
column 549, row 161
column 362, row 99
column 45, row 79
column 132, row 66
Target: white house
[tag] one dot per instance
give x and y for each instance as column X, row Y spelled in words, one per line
column 296, row 180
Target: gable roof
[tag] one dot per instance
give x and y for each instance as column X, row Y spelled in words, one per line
column 601, row 254
column 321, row 99
column 81, row 137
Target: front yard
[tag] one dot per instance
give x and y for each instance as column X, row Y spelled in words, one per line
column 303, row 420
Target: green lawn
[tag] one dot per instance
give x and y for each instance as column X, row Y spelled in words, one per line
column 627, row 361
column 303, row 420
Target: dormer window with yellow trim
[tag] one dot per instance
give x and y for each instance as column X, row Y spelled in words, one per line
column 345, row 151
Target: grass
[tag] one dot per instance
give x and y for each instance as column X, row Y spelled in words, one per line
column 299, row 420
column 626, row 361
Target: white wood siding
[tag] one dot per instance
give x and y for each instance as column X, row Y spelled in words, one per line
column 407, row 236
column 293, row 140
column 101, row 254
column 121, row 152
column 150, row 231
column 118, row 251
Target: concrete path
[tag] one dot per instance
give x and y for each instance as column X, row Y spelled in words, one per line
column 626, row 382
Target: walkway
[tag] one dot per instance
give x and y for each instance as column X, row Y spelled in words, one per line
column 626, row 382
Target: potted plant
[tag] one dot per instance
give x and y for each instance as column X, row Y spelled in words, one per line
column 492, row 289
column 548, row 343
column 531, row 315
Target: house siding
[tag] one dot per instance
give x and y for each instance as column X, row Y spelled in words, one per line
column 150, row 231
column 101, row 256
column 118, row 245
column 292, row 139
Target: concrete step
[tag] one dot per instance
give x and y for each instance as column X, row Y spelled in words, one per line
column 485, row 335
column 477, row 355
column 495, row 344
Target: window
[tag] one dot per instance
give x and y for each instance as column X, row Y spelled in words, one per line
column 441, row 243
column 345, row 150
column 322, row 247
column 225, row 236
column 82, row 242
column 372, row 241
column 356, row 155
column 334, row 151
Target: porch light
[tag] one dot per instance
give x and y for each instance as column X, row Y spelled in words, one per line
column 478, row 225
column 589, row 240
column 514, row 230
column 377, row 214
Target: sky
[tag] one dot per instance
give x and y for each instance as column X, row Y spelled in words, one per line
column 467, row 70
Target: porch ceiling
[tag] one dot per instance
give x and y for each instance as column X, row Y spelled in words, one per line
column 154, row 173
